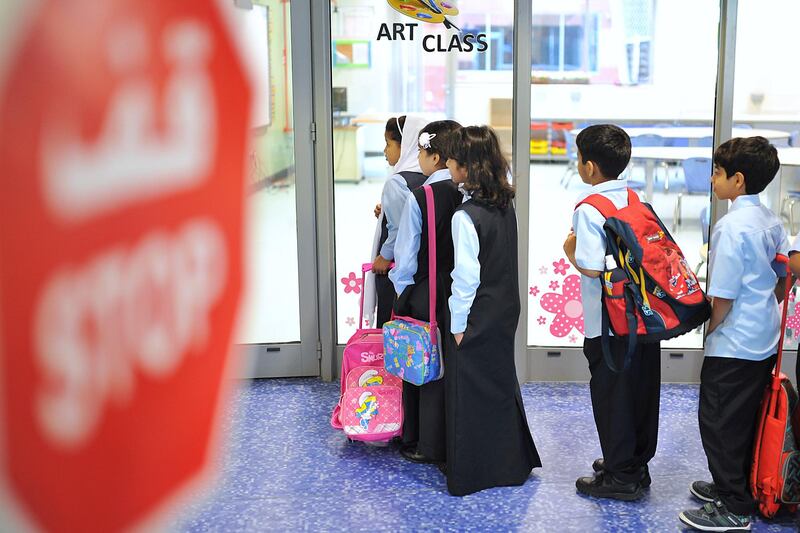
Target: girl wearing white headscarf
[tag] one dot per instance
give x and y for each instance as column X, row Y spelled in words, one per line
column 402, row 152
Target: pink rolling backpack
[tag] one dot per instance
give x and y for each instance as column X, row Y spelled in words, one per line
column 370, row 404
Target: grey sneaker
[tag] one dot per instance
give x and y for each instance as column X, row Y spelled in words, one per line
column 703, row 491
column 715, row 516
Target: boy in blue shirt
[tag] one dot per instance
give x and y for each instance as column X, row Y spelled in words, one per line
column 625, row 404
column 746, row 285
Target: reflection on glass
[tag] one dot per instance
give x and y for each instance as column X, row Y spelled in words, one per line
column 603, row 61
column 405, row 75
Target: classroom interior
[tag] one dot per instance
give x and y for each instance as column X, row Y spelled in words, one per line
column 681, row 76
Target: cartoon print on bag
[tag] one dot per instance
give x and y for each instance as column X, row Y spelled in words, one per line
column 370, row 378
column 367, row 409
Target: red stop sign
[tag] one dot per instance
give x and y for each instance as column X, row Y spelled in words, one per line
column 124, row 125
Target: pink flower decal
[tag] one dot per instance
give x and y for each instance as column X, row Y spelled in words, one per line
column 352, row 283
column 350, row 321
column 793, row 323
column 534, row 291
column 560, row 267
column 791, row 296
column 553, row 285
column 543, row 270
column 573, row 338
column 541, row 320
column 566, row 306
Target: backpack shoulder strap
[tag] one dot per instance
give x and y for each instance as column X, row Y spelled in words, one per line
column 431, row 208
column 633, row 198
column 414, row 180
column 601, row 203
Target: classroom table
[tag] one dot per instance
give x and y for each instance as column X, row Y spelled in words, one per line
column 695, row 133
column 789, row 157
column 602, row 115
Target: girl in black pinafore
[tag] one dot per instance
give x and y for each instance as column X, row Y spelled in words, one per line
column 488, row 440
column 423, row 406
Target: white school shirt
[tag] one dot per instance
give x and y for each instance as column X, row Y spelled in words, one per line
column 393, row 200
column 743, row 269
column 466, row 270
column 590, row 249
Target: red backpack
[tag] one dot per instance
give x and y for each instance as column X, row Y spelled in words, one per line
column 649, row 291
column 775, row 472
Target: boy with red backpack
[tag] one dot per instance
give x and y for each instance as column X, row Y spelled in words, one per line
column 625, row 403
column 747, row 286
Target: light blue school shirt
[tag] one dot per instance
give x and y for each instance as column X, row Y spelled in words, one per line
column 590, row 249
column 743, row 269
column 466, row 272
column 393, row 199
column 408, row 238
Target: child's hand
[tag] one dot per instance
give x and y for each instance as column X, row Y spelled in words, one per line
column 381, row 265
column 377, row 210
column 569, row 245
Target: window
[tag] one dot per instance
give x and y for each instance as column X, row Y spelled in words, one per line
column 564, row 43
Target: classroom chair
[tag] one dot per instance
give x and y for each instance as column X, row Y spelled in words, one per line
column 697, row 181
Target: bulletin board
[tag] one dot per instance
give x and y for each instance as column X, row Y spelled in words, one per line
column 352, row 53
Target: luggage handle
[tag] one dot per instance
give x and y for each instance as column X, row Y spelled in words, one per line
column 365, row 267
column 776, row 377
column 775, row 383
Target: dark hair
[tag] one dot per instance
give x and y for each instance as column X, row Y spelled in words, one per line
column 607, row 146
column 393, row 131
column 754, row 157
column 442, row 129
column 477, row 149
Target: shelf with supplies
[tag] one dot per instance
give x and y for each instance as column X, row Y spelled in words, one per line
column 548, row 138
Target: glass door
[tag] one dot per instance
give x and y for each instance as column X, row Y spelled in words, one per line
column 602, row 61
column 387, row 60
column 766, row 102
column 277, row 326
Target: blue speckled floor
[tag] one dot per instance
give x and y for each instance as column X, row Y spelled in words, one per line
column 285, row 469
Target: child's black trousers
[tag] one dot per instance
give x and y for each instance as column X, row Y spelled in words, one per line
column 730, row 396
column 625, row 406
